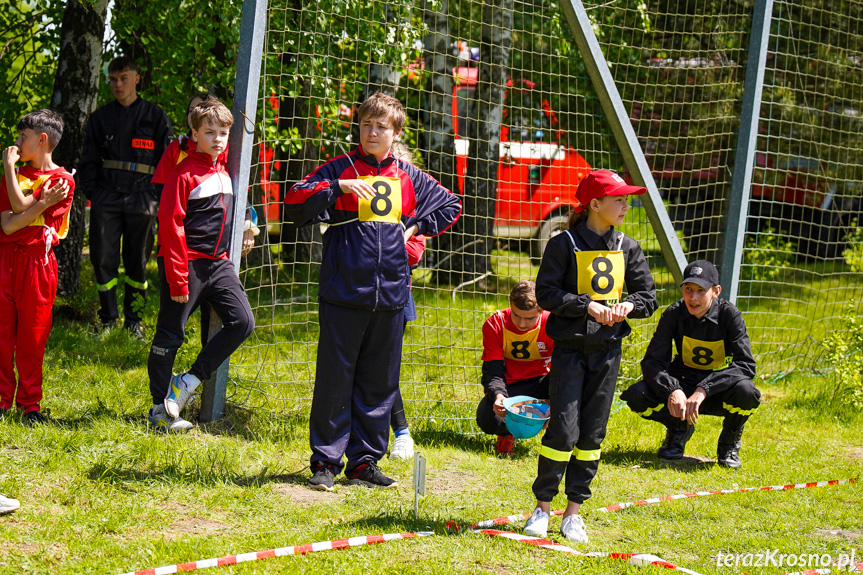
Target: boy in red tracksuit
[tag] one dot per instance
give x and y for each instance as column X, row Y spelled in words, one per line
column 34, row 209
column 373, row 203
column 195, row 216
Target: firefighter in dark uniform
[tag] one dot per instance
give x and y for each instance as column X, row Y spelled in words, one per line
column 123, row 144
column 711, row 373
column 580, row 281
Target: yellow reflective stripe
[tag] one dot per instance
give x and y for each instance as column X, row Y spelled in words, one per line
column 554, row 454
column 650, row 410
column 134, row 284
column 588, row 455
column 108, row 286
column 733, row 409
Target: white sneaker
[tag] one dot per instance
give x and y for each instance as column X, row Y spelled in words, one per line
column 179, row 393
column 403, row 447
column 8, row 505
column 573, row 529
column 537, row 524
column 164, row 422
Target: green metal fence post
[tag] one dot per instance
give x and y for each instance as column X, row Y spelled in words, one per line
column 744, row 159
column 250, row 55
column 624, row 134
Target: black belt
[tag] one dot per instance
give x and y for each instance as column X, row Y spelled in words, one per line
column 129, row 167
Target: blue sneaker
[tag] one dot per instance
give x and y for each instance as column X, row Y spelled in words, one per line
column 179, row 394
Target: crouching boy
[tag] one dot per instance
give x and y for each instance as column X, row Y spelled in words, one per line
column 34, row 208
column 711, row 373
column 373, row 204
column 195, row 216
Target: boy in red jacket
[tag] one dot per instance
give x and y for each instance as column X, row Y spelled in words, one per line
column 195, row 217
column 34, row 209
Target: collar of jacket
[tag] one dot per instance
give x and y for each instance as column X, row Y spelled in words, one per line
column 131, row 106
column 202, row 158
column 371, row 160
column 591, row 237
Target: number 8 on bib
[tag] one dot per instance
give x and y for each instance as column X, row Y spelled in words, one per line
column 600, row 274
column 386, row 204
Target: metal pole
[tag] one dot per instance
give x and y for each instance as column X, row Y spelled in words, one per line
column 744, row 159
column 624, row 135
column 250, row 55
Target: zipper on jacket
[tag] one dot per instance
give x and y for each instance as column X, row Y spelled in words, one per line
column 224, row 210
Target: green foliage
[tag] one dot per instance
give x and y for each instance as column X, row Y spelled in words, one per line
column 764, row 258
column 186, row 48
column 29, row 44
column 853, row 254
column 844, row 358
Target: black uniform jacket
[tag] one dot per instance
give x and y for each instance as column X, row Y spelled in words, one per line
column 712, row 352
column 139, row 134
column 570, row 325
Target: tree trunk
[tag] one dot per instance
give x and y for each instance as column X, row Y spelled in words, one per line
column 76, row 86
column 484, row 153
column 438, row 141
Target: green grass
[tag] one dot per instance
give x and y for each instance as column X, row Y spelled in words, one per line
column 101, row 493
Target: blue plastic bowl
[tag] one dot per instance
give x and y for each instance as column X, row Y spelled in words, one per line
column 525, row 415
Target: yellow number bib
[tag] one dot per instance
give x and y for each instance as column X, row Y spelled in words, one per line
column 521, row 346
column 600, row 274
column 386, row 204
column 706, row 355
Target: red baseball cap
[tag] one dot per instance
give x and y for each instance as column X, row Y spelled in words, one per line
column 600, row 183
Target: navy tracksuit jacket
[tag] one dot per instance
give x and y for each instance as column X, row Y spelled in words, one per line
column 364, row 287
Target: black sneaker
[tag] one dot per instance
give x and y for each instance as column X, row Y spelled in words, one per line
column 322, row 477
column 370, row 476
column 32, row 418
column 134, row 328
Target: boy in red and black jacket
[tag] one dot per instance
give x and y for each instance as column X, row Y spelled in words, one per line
column 373, row 204
column 34, row 209
column 195, row 217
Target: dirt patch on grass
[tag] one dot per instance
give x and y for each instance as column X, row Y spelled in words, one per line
column 855, row 453
column 302, row 495
column 840, row 533
column 452, row 481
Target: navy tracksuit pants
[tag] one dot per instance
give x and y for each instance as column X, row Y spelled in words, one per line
column 580, row 392
column 357, row 378
column 211, row 281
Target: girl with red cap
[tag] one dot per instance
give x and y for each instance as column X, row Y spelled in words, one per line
column 580, row 281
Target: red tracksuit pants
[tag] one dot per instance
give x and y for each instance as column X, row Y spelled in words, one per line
column 28, row 285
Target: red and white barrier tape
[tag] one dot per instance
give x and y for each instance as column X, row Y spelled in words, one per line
column 637, row 559
column 504, row 520
column 619, row 506
column 280, row 552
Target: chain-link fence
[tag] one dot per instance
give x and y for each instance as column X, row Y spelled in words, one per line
column 501, row 110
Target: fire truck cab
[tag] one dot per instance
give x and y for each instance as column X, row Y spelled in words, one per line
column 537, row 175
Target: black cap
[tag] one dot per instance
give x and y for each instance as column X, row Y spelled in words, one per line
column 701, row 273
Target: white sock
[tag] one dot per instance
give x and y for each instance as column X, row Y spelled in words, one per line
column 192, row 382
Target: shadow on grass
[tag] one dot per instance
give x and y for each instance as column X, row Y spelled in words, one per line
column 389, row 523
column 649, row 459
